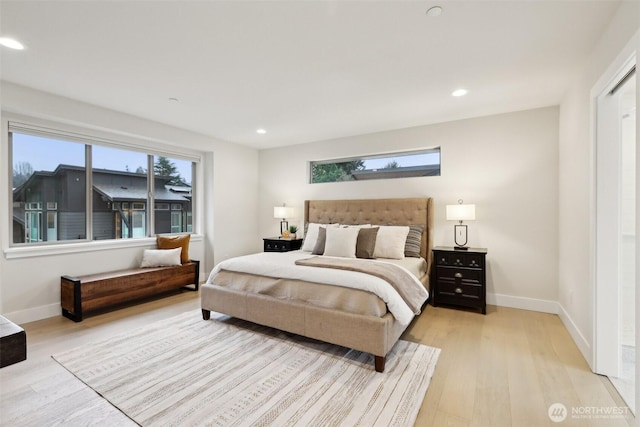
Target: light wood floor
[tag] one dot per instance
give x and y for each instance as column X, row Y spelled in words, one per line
column 502, row 369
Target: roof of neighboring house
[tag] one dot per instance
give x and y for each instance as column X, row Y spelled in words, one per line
column 138, row 191
column 401, row 172
column 114, row 192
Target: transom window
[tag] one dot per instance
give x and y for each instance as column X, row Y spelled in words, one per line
column 381, row 166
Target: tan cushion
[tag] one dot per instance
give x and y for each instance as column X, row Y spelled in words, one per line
column 366, row 243
column 172, row 242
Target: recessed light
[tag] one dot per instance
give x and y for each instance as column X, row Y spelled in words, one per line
column 11, row 43
column 459, row 92
column 261, row 131
column 434, row 11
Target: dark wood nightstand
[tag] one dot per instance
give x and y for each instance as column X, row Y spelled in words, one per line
column 278, row 244
column 460, row 277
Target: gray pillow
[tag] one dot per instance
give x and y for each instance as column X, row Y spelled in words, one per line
column 318, row 249
column 414, row 241
column 366, row 242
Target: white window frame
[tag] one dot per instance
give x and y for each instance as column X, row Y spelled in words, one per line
column 382, row 172
column 91, row 136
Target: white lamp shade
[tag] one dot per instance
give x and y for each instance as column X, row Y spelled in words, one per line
column 461, row 212
column 282, row 212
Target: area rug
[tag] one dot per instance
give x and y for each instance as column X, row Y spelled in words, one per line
column 224, row 372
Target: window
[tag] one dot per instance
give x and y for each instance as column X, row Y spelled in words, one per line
column 397, row 165
column 176, row 222
column 119, row 178
column 47, row 172
column 174, row 207
column 70, row 187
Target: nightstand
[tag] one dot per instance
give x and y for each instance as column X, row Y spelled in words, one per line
column 460, row 277
column 278, row 244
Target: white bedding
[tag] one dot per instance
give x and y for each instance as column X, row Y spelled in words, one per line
column 276, row 264
column 416, row 266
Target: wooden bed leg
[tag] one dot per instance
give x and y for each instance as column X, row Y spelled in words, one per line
column 206, row 314
column 379, row 363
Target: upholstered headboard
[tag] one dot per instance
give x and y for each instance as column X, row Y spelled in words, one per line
column 415, row 211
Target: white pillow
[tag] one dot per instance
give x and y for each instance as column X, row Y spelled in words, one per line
column 390, row 242
column 161, row 257
column 311, row 236
column 341, row 242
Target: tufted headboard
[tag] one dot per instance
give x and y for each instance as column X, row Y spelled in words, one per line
column 416, row 211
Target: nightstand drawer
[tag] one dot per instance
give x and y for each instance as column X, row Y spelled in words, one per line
column 458, row 290
column 281, row 245
column 460, row 275
column 460, row 259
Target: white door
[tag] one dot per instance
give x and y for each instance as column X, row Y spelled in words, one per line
column 615, row 233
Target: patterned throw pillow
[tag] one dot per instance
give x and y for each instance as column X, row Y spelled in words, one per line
column 414, row 242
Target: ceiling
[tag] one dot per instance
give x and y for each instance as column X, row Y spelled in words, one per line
column 303, row 70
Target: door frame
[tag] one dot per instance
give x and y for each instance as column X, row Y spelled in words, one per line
column 603, row 363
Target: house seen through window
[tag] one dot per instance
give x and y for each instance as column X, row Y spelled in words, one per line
column 50, row 194
column 408, row 164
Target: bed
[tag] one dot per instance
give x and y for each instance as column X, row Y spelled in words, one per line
column 351, row 317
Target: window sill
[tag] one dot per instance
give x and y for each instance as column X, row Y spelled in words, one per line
column 74, row 248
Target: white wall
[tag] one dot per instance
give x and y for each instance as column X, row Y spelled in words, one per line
column 505, row 164
column 576, row 178
column 30, row 286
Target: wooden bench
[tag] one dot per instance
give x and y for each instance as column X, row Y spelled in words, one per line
column 13, row 343
column 82, row 294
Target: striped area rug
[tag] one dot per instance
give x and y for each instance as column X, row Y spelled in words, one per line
column 226, row 372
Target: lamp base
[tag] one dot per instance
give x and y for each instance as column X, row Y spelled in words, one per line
column 460, row 237
column 461, row 248
column 284, row 226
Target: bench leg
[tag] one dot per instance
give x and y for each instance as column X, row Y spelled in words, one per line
column 379, row 363
column 206, row 314
column 72, row 316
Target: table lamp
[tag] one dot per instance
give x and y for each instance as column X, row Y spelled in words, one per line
column 460, row 212
column 284, row 213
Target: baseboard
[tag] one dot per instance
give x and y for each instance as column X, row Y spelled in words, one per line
column 33, row 314
column 543, row 306
column 576, row 335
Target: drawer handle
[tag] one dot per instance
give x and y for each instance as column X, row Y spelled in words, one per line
column 458, row 275
column 458, row 291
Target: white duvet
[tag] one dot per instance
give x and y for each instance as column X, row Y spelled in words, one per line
column 282, row 264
